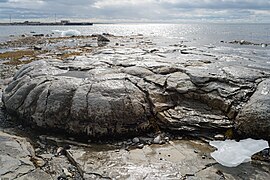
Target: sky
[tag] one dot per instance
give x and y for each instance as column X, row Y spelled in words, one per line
column 171, row 11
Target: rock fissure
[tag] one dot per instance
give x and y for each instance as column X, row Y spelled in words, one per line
column 35, row 97
column 70, row 102
column 98, row 175
column 206, row 166
column 15, row 86
column 153, row 117
column 33, row 103
column 46, row 101
column 86, row 99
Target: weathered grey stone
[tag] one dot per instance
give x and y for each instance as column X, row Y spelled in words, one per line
column 175, row 160
column 15, row 156
column 106, row 105
column 138, row 71
column 124, row 90
column 254, row 118
column 114, row 90
column 191, row 117
column 36, row 174
column 180, row 82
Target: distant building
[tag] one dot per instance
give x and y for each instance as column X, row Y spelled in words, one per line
column 65, row 21
column 31, row 22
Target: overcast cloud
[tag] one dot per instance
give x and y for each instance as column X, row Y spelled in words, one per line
column 138, row 10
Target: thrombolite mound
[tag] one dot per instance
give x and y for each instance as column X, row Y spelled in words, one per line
column 120, row 90
column 85, row 102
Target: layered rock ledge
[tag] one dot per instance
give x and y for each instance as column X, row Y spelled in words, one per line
column 142, row 85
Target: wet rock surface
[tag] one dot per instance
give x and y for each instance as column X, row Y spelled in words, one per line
column 115, row 90
column 131, row 85
column 58, row 158
column 174, row 160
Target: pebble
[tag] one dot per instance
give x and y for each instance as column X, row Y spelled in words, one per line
column 219, row 137
column 119, row 144
column 59, row 151
column 37, row 150
column 46, row 156
column 157, row 140
column 204, row 156
column 135, row 140
column 71, row 138
column 66, row 172
column 166, row 139
column 129, row 143
column 179, row 138
column 37, row 48
column 39, row 162
column 140, row 146
column 61, row 177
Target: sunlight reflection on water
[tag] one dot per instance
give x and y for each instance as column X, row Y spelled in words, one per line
column 210, row 32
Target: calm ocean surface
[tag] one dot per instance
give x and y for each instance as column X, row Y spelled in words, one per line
column 199, row 33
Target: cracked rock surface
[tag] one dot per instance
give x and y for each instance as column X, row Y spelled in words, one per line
column 125, row 87
column 174, row 160
column 115, row 90
column 15, row 161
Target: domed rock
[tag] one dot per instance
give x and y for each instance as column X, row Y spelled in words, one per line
column 95, row 103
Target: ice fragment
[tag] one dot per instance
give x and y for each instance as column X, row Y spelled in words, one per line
column 231, row 153
column 69, row 32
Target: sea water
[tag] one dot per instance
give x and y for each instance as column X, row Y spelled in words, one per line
column 211, row 36
column 199, row 33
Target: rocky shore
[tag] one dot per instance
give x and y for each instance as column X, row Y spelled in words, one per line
column 144, row 98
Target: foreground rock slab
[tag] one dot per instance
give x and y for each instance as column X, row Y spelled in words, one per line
column 175, row 160
column 15, row 156
column 19, row 160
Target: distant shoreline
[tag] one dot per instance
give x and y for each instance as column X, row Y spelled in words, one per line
column 29, row 23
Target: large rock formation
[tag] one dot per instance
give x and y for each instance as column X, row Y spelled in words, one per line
column 127, row 90
column 254, row 118
column 94, row 102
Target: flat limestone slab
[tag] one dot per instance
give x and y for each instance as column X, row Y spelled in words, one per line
column 15, row 155
column 175, row 160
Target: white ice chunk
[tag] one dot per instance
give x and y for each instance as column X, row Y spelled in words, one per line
column 70, row 32
column 231, row 153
